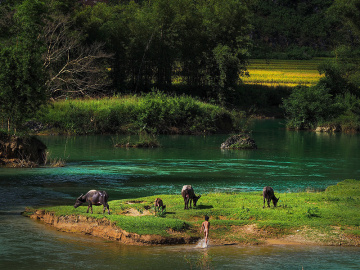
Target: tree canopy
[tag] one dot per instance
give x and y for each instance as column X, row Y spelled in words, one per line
column 107, row 47
column 22, row 78
column 59, row 49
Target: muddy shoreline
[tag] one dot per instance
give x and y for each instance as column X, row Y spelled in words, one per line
column 103, row 228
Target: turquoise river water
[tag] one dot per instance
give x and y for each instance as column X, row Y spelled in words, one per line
column 288, row 161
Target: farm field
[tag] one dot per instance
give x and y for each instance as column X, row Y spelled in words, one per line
column 283, row 72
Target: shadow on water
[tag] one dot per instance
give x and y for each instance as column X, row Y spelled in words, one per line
column 9, row 213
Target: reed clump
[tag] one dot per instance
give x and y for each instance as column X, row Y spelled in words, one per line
column 145, row 140
column 57, row 162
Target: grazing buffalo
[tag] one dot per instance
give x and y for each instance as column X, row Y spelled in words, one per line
column 268, row 194
column 94, row 197
column 189, row 195
column 159, row 204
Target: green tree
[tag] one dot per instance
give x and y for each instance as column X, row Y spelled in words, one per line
column 292, row 29
column 226, row 45
column 307, row 107
column 348, row 11
column 336, row 98
column 203, row 42
column 22, row 77
column 343, row 73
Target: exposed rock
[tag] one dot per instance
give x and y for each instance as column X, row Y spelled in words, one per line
column 21, row 151
column 328, row 129
column 240, row 141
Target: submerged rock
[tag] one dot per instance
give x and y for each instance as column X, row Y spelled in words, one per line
column 240, row 141
column 24, row 151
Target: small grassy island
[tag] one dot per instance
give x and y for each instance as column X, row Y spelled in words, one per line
column 145, row 141
column 329, row 217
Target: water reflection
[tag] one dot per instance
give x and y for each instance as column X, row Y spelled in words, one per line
column 289, row 161
column 38, row 247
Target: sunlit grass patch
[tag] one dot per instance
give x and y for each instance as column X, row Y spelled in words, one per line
column 155, row 112
column 283, row 72
column 322, row 211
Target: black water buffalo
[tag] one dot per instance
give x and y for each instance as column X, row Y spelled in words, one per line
column 268, row 194
column 189, row 195
column 159, row 204
column 94, row 197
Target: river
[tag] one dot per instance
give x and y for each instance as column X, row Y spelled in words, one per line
column 288, row 161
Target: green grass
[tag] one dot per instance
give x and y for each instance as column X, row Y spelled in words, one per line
column 283, row 72
column 337, row 206
column 144, row 140
column 155, row 113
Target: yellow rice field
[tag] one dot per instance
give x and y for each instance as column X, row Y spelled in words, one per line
column 283, row 72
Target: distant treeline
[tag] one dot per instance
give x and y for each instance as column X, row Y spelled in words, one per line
column 132, row 46
column 296, row 29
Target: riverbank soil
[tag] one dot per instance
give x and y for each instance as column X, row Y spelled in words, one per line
column 329, row 217
column 241, row 235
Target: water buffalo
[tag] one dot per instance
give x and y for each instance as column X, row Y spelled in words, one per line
column 94, row 197
column 159, row 204
column 189, row 195
column 268, row 194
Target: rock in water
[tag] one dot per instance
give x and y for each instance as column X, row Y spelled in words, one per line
column 24, row 151
column 240, row 141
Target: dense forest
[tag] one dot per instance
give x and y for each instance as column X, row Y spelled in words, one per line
column 68, row 49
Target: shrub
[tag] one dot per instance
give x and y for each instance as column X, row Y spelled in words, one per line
column 308, row 106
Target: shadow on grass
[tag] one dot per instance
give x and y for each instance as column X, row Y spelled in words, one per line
column 204, row 207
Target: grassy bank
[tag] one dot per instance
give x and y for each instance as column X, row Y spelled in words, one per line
column 328, row 217
column 283, row 72
column 261, row 94
column 155, row 113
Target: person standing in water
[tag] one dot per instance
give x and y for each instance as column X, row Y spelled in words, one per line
column 206, row 227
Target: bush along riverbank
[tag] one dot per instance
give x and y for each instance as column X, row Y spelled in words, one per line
column 156, row 113
column 329, row 217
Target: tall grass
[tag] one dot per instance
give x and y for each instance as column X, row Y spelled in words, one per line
column 283, row 72
column 156, row 113
column 144, row 140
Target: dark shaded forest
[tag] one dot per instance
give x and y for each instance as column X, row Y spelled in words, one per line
column 70, row 49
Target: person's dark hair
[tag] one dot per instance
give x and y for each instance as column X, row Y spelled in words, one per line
column 206, row 218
